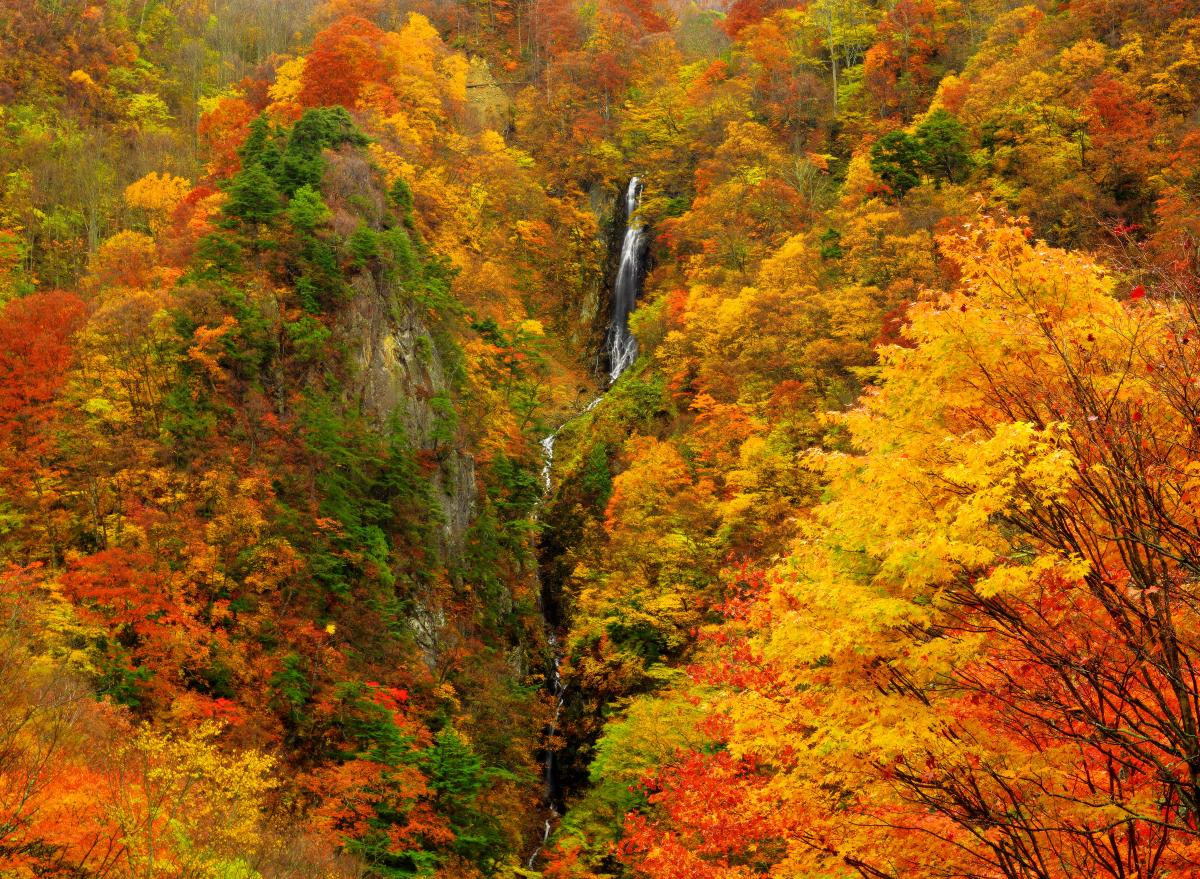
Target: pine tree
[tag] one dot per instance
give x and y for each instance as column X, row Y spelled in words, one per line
column 253, row 197
column 307, row 210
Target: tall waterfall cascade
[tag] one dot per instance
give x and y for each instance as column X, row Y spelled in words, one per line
column 622, row 346
column 622, row 350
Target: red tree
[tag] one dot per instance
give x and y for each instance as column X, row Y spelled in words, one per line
column 35, row 351
column 345, row 57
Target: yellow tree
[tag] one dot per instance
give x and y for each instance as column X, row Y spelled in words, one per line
column 186, row 806
column 980, row 658
column 157, row 195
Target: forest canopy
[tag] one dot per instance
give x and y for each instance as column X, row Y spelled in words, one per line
column 631, row 439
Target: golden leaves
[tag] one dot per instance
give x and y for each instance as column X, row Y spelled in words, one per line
column 186, row 803
column 158, row 195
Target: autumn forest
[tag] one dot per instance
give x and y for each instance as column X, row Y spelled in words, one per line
column 600, row 439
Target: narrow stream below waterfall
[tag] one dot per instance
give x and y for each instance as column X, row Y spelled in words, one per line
column 622, row 350
column 549, row 775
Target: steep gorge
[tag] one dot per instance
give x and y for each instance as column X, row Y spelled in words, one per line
column 614, row 440
column 619, row 353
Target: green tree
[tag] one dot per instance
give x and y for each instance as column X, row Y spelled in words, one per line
column 402, row 198
column 316, row 131
column 259, row 147
column 897, row 159
column 253, row 196
column 307, row 210
column 363, row 245
column 458, row 776
column 944, row 141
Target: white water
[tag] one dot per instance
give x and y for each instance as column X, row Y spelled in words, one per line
column 547, row 829
column 549, row 773
column 549, row 440
column 622, row 351
column 547, row 460
column 622, row 346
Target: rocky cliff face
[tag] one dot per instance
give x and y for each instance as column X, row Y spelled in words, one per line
column 400, row 373
column 606, row 204
column 399, row 370
column 488, row 106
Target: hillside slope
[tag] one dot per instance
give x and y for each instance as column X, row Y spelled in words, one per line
column 332, row 548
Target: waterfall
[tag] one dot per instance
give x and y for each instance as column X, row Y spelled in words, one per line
column 622, row 351
column 622, row 346
column 549, row 440
column 557, row 687
column 547, row 460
